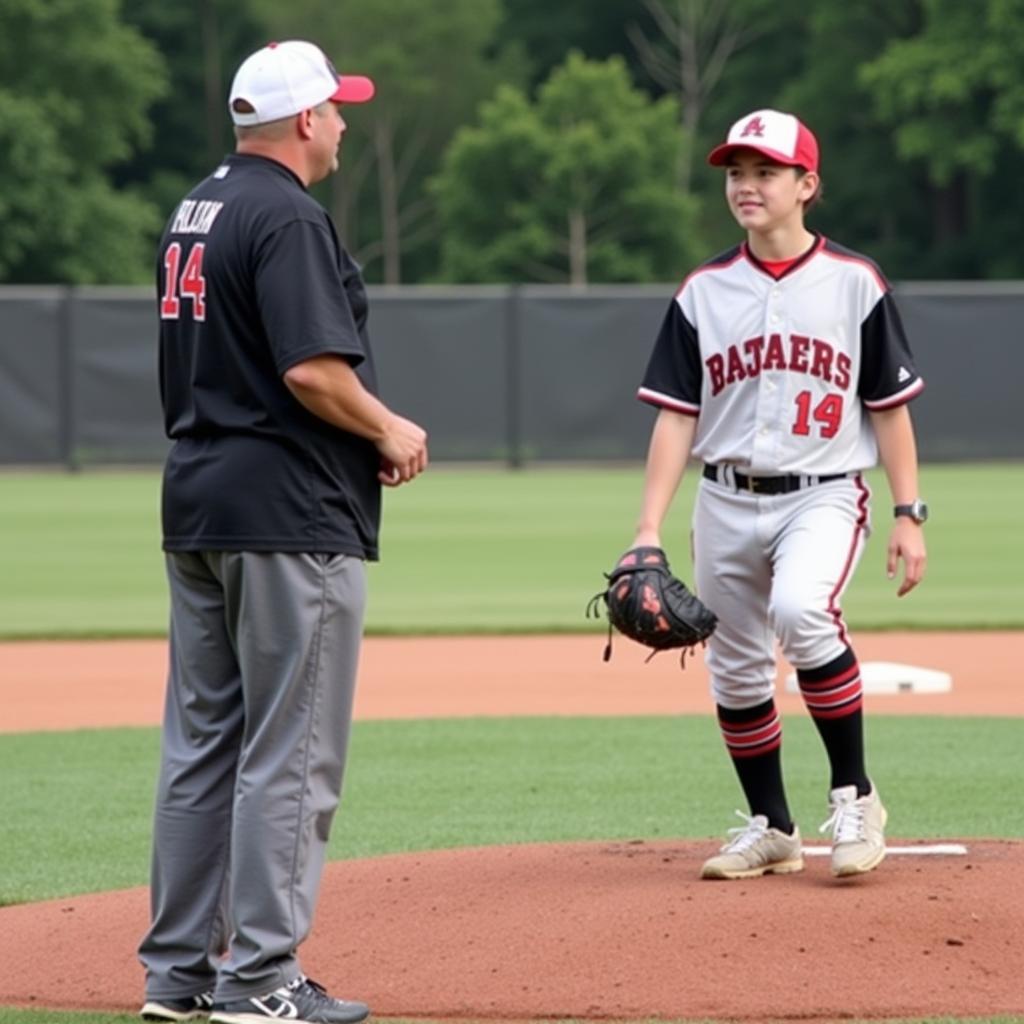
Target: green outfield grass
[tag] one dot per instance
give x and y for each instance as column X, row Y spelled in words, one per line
column 485, row 550
column 76, row 806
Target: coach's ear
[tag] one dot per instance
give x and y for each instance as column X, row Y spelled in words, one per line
column 305, row 123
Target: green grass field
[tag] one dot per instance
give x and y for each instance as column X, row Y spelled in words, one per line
column 485, row 550
column 76, row 806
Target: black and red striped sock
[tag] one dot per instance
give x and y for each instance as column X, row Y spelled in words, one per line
column 753, row 738
column 834, row 696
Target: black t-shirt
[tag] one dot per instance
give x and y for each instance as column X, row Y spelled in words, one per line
column 252, row 279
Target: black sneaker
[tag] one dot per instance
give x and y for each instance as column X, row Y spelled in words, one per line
column 301, row 1002
column 192, row 1008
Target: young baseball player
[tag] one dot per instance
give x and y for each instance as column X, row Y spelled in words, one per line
column 783, row 366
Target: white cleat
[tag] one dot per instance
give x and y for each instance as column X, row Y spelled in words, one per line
column 858, row 831
column 756, row 850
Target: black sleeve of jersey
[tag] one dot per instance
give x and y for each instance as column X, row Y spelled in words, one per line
column 302, row 298
column 674, row 370
column 888, row 376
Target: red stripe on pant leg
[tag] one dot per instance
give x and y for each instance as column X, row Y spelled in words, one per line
column 859, row 527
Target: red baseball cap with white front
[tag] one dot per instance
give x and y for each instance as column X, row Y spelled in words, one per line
column 780, row 137
column 285, row 78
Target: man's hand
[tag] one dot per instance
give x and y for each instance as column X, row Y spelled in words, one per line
column 403, row 451
column 906, row 541
column 329, row 387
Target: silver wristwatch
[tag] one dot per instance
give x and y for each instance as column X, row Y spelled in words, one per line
column 916, row 510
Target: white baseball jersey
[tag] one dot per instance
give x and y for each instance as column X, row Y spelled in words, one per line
column 780, row 371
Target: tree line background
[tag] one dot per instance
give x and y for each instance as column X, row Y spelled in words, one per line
column 554, row 141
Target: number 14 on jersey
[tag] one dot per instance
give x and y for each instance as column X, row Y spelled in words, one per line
column 190, row 284
column 828, row 412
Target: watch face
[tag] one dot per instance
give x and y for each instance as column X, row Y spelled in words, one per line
column 916, row 510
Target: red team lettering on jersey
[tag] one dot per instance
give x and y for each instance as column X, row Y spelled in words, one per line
column 797, row 353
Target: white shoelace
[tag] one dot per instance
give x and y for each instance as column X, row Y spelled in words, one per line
column 846, row 822
column 745, row 836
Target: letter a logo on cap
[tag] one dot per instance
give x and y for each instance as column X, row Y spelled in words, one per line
column 755, row 126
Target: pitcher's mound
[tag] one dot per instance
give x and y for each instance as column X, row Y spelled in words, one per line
column 599, row 930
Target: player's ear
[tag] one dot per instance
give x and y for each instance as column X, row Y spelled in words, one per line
column 819, row 192
column 808, row 186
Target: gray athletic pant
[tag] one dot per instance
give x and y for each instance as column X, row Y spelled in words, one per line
column 263, row 657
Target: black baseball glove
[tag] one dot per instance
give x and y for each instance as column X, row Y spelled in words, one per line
column 648, row 604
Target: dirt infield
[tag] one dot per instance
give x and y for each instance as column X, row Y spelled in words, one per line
column 612, row 930
column 90, row 684
column 591, row 930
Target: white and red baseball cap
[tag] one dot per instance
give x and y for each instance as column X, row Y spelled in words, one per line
column 780, row 137
column 286, row 78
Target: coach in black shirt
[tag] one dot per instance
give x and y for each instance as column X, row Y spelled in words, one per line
column 271, row 507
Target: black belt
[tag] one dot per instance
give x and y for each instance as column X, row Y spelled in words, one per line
column 784, row 484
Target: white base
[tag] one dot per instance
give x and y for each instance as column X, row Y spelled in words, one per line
column 933, row 850
column 889, row 677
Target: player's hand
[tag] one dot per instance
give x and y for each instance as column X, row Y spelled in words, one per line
column 906, row 541
column 403, row 452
